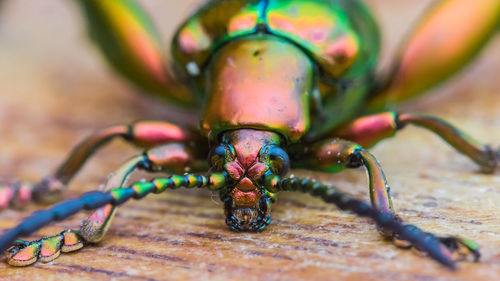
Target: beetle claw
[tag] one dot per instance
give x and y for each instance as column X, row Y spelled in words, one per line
column 459, row 249
column 462, row 249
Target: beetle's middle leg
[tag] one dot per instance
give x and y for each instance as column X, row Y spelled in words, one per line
column 168, row 157
column 336, row 154
column 369, row 130
column 144, row 134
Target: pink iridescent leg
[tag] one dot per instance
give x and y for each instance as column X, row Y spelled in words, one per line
column 174, row 158
column 333, row 155
column 143, row 134
column 369, row 130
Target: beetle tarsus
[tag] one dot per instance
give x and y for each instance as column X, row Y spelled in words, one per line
column 462, row 249
column 19, row 193
column 24, row 253
column 15, row 194
column 459, row 249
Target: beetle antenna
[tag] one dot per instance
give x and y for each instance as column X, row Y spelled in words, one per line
column 423, row 241
column 96, row 199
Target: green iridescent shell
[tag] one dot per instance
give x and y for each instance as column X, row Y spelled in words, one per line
column 341, row 38
column 339, row 35
column 211, row 26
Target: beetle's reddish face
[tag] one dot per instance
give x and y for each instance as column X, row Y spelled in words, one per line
column 247, row 155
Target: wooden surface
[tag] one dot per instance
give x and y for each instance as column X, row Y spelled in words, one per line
column 54, row 90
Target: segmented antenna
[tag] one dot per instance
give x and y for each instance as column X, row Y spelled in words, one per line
column 96, row 199
column 421, row 240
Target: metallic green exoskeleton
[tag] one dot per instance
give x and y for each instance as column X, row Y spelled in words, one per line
column 279, row 84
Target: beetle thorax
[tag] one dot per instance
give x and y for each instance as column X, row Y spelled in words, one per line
column 260, row 82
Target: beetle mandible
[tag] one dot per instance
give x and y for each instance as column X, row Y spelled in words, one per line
column 271, row 79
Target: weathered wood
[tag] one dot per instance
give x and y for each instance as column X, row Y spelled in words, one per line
column 55, row 90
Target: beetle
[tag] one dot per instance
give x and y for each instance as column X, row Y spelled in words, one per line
column 272, row 79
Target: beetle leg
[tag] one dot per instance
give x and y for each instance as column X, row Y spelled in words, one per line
column 168, row 157
column 132, row 46
column 449, row 35
column 143, row 134
column 47, row 249
column 369, row 130
column 336, row 154
column 172, row 157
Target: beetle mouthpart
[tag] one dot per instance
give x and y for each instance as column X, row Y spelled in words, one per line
column 245, row 216
column 254, row 218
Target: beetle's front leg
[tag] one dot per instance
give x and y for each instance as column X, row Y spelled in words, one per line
column 143, row 134
column 172, row 157
column 169, row 157
column 369, row 130
column 336, row 154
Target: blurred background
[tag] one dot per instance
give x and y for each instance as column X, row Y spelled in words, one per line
column 55, row 89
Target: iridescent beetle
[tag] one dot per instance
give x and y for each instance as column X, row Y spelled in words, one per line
column 271, row 79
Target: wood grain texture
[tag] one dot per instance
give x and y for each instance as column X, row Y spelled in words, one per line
column 55, row 90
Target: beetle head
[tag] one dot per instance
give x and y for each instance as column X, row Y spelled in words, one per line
column 247, row 156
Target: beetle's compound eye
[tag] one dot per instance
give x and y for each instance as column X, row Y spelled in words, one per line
column 221, row 154
column 277, row 158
